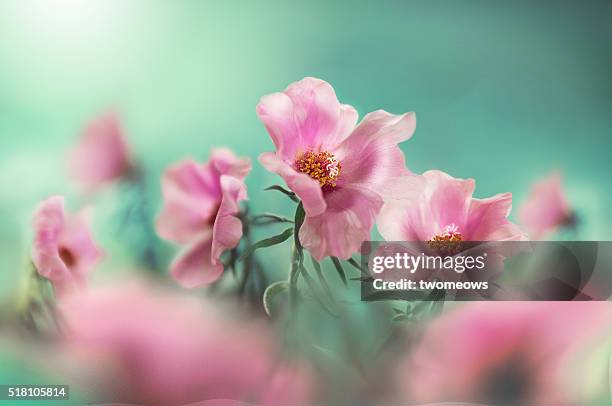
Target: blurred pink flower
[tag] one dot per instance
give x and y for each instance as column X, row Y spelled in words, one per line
column 101, row 154
column 201, row 212
column 502, row 353
column 63, row 250
column 143, row 345
column 444, row 209
column 546, row 208
column 339, row 170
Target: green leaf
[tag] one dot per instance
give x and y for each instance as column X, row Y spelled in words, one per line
column 400, row 317
column 357, row 265
column 313, row 290
column 284, row 191
column 269, row 218
column 340, row 270
column 322, row 280
column 300, row 215
column 267, row 242
column 271, row 292
column 363, row 278
column 298, row 220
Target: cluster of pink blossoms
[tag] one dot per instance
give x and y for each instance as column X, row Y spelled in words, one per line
column 348, row 176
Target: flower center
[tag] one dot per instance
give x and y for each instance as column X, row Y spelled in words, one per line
column 67, row 257
column 321, row 166
column 447, row 243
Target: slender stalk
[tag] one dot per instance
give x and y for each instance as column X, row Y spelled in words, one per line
column 294, row 272
column 297, row 257
column 248, row 263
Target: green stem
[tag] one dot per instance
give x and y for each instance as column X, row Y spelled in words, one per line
column 297, row 257
column 294, row 273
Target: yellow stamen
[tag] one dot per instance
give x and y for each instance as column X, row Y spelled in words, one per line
column 447, row 243
column 321, row 166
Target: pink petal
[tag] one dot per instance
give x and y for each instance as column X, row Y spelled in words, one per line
column 488, row 220
column 448, row 200
column 77, row 238
column 154, row 347
column 57, row 233
column 462, row 351
column 192, row 196
column 370, row 156
column 546, row 208
column 307, row 115
column 306, row 188
column 227, row 230
column 101, row 154
column 289, row 386
column 346, row 223
column 406, row 219
column 48, row 225
column 225, row 162
column 442, row 201
column 194, row 266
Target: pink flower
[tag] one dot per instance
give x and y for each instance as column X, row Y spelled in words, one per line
column 201, row 212
column 340, row 171
column 502, row 353
column 546, row 208
column 444, row 210
column 63, row 250
column 101, row 155
column 143, row 345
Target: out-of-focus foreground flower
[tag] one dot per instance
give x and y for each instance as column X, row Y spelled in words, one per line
column 101, row 154
column 512, row 353
column 200, row 212
column 444, row 209
column 340, row 171
column 63, row 250
column 546, row 209
column 140, row 344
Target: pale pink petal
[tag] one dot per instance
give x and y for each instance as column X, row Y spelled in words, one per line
column 192, row 195
column 406, row 219
column 276, row 112
column 346, row 223
column 289, row 386
column 76, row 238
column 488, row 220
column 63, row 250
column 443, row 202
column 48, row 224
column 471, row 353
column 370, row 156
column 307, row 115
column 546, row 208
column 225, row 162
column 194, row 266
column 346, row 125
column 448, row 200
column 142, row 345
column 227, row 230
column 306, row 188
column 101, row 154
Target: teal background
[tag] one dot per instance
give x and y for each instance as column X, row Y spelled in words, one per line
column 504, row 92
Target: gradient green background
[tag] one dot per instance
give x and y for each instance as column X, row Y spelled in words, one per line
column 504, row 92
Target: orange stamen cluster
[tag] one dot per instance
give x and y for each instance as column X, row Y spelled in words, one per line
column 321, row 166
column 447, row 243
